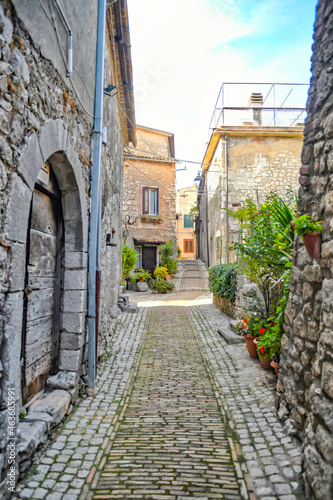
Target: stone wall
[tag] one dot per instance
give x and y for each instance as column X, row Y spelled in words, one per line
column 306, row 379
column 43, row 120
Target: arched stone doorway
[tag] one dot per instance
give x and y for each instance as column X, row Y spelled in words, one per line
column 53, row 146
column 43, row 286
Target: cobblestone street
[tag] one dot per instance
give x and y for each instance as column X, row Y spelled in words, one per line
column 179, row 413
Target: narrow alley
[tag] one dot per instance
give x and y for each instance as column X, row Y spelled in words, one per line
column 179, row 413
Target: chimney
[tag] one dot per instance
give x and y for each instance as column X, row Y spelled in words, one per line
column 256, row 102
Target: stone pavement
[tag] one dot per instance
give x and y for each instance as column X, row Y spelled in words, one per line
column 178, row 414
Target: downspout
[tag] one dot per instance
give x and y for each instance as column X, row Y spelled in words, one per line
column 207, row 235
column 226, row 195
column 95, row 196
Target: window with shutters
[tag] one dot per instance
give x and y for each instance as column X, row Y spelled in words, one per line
column 150, row 201
column 188, row 220
column 188, row 246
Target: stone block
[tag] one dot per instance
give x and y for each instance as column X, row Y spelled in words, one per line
column 75, row 280
column 324, row 443
column 318, row 473
column 230, row 337
column 63, row 380
column 329, row 204
column 70, row 360
column 72, row 341
column 73, row 322
column 7, row 26
column 76, row 235
column 303, row 258
column 11, row 343
column 31, row 161
column 313, row 273
column 37, row 416
column 32, row 436
column 20, row 66
column 75, row 301
column 307, row 292
column 52, row 138
column 74, row 205
column 327, row 292
column 75, row 260
column 18, row 209
column 327, row 250
column 322, row 408
column 17, row 267
column 327, row 378
column 55, row 404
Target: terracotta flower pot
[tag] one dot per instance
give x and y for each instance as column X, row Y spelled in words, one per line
column 168, row 276
column 250, row 345
column 276, row 367
column 265, row 362
column 312, row 244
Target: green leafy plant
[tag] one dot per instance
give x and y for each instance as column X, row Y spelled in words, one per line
column 141, row 275
column 161, row 286
column 253, row 325
column 222, row 280
column 160, row 272
column 153, row 220
column 194, row 211
column 304, row 225
column 128, row 261
column 179, row 252
column 167, row 253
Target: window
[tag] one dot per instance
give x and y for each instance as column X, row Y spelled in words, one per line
column 150, row 201
column 188, row 220
column 138, row 264
column 188, row 246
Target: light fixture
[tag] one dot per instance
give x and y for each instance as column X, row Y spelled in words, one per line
column 111, row 90
column 198, row 179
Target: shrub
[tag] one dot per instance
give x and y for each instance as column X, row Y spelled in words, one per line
column 161, row 286
column 128, row 261
column 167, row 253
column 222, row 280
column 141, row 275
column 160, row 272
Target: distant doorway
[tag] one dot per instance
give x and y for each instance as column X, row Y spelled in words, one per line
column 149, row 258
column 41, row 321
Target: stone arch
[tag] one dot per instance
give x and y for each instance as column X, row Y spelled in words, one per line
column 52, row 144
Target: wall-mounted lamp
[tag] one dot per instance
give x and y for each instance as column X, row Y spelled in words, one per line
column 111, row 90
column 108, row 240
column 198, row 179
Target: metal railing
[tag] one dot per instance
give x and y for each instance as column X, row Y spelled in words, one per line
column 232, row 108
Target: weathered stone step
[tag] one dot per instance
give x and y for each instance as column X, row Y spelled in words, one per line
column 229, row 336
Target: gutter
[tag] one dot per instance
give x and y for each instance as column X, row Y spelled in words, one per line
column 70, row 38
column 95, row 213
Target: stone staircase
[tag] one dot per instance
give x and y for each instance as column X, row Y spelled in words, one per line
column 192, row 275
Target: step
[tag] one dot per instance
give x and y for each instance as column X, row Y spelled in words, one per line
column 229, row 336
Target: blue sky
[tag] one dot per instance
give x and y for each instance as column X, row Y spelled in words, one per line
column 182, row 51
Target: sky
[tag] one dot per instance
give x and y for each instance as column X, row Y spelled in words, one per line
column 183, row 50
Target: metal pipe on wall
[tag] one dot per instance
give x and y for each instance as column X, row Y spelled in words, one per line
column 95, row 195
column 226, row 195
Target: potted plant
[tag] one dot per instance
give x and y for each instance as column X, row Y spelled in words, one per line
column 140, row 279
column 160, row 272
column 310, row 232
column 251, row 328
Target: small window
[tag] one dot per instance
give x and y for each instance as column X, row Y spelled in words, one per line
column 138, row 264
column 188, row 221
column 150, row 201
column 188, row 246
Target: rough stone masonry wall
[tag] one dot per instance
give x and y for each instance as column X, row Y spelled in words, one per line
column 306, row 403
column 36, row 107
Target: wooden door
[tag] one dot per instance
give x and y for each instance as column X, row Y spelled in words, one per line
column 149, row 258
column 41, row 327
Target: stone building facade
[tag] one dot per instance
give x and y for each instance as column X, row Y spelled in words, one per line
column 46, row 124
column 306, row 379
column 149, row 202
column 242, row 162
column 186, row 199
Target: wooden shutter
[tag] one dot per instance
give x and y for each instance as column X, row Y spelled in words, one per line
column 157, row 201
column 145, row 201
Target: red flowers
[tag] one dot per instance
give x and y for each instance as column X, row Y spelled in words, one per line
column 262, row 330
column 245, row 320
column 262, row 349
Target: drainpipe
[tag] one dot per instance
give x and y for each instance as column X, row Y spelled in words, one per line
column 207, row 234
column 226, row 194
column 70, row 38
column 95, row 196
